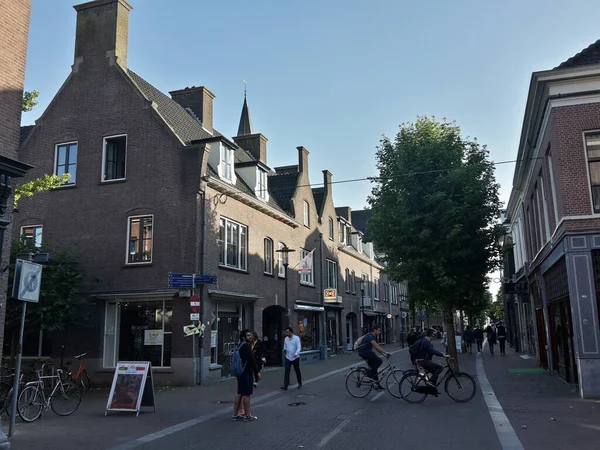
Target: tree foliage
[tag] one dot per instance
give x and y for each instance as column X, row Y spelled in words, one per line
column 434, row 215
column 42, row 184
column 60, row 306
column 29, row 100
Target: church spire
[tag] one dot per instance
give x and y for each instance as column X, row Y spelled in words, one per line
column 245, row 126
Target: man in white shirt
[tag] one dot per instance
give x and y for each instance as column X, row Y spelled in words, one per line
column 292, row 348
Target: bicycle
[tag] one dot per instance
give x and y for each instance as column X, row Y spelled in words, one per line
column 33, row 397
column 415, row 386
column 358, row 379
column 7, row 382
column 81, row 373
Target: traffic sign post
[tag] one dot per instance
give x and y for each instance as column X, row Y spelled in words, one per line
column 26, row 287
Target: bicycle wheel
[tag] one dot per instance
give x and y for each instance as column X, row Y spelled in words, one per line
column 357, row 383
column 461, row 387
column 30, row 403
column 66, row 399
column 412, row 388
column 85, row 381
column 392, row 383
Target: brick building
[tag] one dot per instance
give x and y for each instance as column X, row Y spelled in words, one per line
column 155, row 188
column 554, row 216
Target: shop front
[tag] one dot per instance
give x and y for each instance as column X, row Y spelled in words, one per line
column 306, row 326
column 332, row 329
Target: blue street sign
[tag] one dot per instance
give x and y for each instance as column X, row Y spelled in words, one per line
column 205, row 279
column 187, row 280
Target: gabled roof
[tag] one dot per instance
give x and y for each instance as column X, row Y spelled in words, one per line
column 25, row 132
column 586, row 57
column 282, row 186
column 185, row 126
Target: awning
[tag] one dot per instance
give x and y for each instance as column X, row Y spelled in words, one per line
column 308, row 308
column 372, row 313
column 232, row 296
column 334, row 306
column 162, row 293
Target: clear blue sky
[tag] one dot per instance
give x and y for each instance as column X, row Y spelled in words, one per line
column 336, row 75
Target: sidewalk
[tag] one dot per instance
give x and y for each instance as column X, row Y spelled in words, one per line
column 88, row 427
column 545, row 412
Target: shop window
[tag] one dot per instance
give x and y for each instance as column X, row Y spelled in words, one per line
column 138, row 331
column 308, row 330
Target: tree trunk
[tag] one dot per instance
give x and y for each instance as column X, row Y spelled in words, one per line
column 462, row 322
column 451, row 335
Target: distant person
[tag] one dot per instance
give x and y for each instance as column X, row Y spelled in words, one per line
column 241, row 409
column 259, row 354
column 491, row 338
column 478, row 335
column 468, row 338
column 501, row 334
column 292, row 348
column 412, row 337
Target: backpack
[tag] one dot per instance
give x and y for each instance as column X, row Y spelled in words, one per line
column 358, row 342
column 414, row 349
column 501, row 332
column 237, row 368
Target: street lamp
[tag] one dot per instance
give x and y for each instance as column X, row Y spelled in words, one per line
column 362, row 304
column 285, row 251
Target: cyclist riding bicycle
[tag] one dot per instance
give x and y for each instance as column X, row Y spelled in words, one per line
column 365, row 351
column 426, row 352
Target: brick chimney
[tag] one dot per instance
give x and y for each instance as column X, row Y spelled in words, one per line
column 327, row 182
column 255, row 144
column 102, row 30
column 198, row 100
column 302, row 160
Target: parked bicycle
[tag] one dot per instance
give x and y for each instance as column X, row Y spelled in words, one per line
column 7, row 383
column 359, row 385
column 415, row 386
column 64, row 398
column 81, row 375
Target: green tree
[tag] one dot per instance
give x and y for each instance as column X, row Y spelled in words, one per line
column 435, row 209
column 42, row 184
column 29, row 100
column 60, row 305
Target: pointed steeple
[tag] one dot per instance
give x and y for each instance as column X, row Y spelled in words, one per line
column 245, row 126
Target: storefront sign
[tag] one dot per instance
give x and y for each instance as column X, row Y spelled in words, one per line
column 132, row 388
column 153, row 337
column 213, row 339
column 330, row 295
column 404, row 314
column 458, row 344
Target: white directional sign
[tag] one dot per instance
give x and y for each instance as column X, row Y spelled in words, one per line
column 194, row 316
column 28, row 279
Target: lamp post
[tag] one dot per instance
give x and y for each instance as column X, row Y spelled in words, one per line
column 362, row 305
column 285, row 251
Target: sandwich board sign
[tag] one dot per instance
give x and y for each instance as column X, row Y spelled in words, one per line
column 132, row 387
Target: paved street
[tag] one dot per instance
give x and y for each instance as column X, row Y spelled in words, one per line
column 544, row 413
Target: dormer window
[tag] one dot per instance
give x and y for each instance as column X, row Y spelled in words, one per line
column 261, row 184
column 226, row 165
column 360, row 245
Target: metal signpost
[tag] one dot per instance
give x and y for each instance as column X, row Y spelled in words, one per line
column 26, row 287
column 189, row 281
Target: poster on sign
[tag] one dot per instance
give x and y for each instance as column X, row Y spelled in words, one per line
column 132, row 387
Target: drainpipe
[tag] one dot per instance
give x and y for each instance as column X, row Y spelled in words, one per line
column 322, row 297
column 201, row 290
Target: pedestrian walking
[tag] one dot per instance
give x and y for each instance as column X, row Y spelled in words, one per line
column 468, row 338
column 241, row 408
column 478, row 335
column 259, row 355
column 501, row 333
column 292, row 348
column 491, row 338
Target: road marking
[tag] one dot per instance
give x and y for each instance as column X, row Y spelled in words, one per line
column 506, row 433
column 377, row 396
column 221, row 412
column 333, row 433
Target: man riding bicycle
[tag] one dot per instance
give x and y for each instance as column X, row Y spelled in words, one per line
column 365, row 351
column 426, row 352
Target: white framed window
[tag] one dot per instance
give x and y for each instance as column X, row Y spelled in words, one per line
column 545, row 207
column 114, row 157
column 227, row 159
column 342, row 229
column 65, row 161
column 149, row 339
column 261, row 184
column 592, row 146
column 347, row 286
column 553, row 188
column 269, row 256
column 32, row 235
column 376, row 288
column 331, row 228
column 353, row 282
column 140, row 237
column 306, row 278
column 306, row 213
column 332, row 275
column 233, row 244
column 348, row 235
column 280, row 266
column 359, row 244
